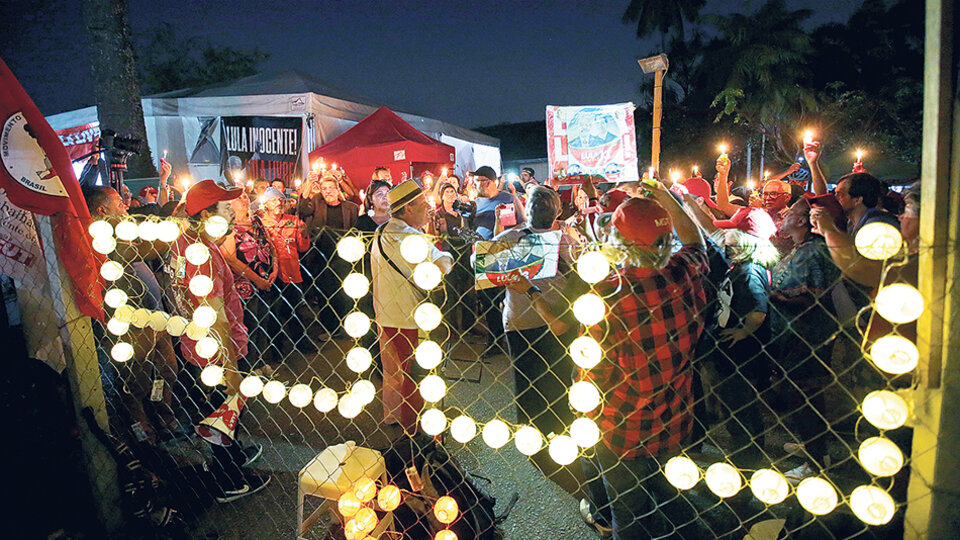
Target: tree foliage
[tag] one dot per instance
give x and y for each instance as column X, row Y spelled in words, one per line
column 168, row 62
column 662, row 15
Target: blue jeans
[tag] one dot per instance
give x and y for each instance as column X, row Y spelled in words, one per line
column 627, row 494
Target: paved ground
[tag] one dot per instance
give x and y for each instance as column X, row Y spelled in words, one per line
column 291, row 437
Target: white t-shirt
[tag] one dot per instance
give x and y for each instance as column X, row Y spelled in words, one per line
column 395, row 296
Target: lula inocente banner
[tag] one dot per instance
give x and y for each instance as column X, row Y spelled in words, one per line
column 261, row 146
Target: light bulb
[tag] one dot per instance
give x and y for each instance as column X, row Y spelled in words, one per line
column 723, row 480
column 365, row 489
column 325, row 400
column 428, row 354
column 880, row 456
column 817, row 496
column 584, row 396
column 158, row 321
column 769, row 486
column 100, row 228
column 124, row 313
column 445, row 534
column 885, row 409
column 117, row 328
column 348, row 504
column 274, row 392
column 111, row 271
column 364, row 391
column 211, row 375
column 141, row 317
column 563, row 450
column 586, row 352
column 894, row 354
column 251, row 386
column 366, row 518
column 168, row 231
column 414, row 249
column 216, row 226
column 359, row 359
column 899, row 303
column 207, row 347
column 427, row 275
column 432, row 388
column 427, row 316
column 585, row 432
column 115, row 298
column 593, row 266
column 446, row 509
column 148, row 230
column 104, row 244
column 349, row 406
column 389, row 497
column 872, row 505
column 127, row 230
column 433, row 421
column 300, row 395
column 878, row 241
column 495, row 434
column 121, row 352
column 201, row 285
column 356, row 285
column 351, row 248
column 681, row 472
column 177, row 325
column 589, row 309
column 197, row 253
column 356, row 324
column 351, row 530
column 204, row 316
column 528, row 440
column 196, row 332
column 463, row 429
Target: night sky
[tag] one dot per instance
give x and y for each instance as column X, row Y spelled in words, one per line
column 471, row 63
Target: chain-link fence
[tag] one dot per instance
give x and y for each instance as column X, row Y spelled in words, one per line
column 717, row 398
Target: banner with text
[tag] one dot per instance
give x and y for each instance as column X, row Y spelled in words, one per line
column 80, row 140
column 261, row 146
column 593, row 140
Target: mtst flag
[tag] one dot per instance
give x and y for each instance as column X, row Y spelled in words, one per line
column 37, row 176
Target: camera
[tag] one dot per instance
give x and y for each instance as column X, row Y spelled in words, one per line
column 467, row 209
column 118, row 145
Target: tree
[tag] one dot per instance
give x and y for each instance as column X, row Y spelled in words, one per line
column 662, row 15
column 168, row 63
column 766, row 56
column 116, row 87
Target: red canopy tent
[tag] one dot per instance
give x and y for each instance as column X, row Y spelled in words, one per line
column 383, row 139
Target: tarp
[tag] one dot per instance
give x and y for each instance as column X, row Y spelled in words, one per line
column 178, row 121
column 385, row 139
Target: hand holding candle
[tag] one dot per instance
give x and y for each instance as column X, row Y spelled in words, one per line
column 722, row 148
column 858, row 165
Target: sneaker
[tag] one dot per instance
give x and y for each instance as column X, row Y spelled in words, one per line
column 253, row 485
column 252, row 453
column 587, row 516
column 796, row 474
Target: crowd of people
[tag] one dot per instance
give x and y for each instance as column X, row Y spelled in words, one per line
column 726, row 308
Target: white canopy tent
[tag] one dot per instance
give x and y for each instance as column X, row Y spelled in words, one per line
column 175, row 120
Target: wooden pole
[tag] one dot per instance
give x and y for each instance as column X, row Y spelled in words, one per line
column 657, row 114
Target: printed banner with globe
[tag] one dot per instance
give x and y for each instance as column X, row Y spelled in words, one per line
column 596, row 140
column 535, row 256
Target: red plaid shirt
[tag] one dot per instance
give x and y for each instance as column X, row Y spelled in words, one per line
column 649, row 335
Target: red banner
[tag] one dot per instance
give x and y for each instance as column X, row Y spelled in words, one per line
column 80, row 140
column 37, row 176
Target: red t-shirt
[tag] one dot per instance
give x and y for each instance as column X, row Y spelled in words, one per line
column 289, row 242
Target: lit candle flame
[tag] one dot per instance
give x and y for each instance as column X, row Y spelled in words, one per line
column 750, row 184
column 249, row 184
column 722, row 148
column 675, row 176
column 766, row 174
column 696, row 169
column 444, row 171
column 808, row 136
column 296, row 183
column 315, row 166
column 652, row 173
column 333, row 166
column 859, row 155
column 185, row 181
column 164, row 154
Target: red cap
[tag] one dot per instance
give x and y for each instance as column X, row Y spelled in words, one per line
column 755, row 221
column 205, row 193
column 698, row 187
column 832, row 205
column 148, row 189
column 616, row 198
column 641, row 221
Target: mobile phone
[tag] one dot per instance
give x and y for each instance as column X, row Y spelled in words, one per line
column 508, row 215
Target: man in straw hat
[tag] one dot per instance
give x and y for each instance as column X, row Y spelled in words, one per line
column 395, row 297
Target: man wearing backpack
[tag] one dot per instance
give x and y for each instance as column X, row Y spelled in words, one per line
column 395, row 297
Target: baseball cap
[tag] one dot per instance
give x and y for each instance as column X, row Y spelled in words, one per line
column 698, row 187
column 207, row 192
column 404, row 193
column 615, row 198
column 642, row 221
column 755, row 221
column 486, row 172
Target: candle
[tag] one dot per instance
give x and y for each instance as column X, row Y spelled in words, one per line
column 859, row 155
column 164, row 154
column 652, row 173
column 807, row 137
column 766, row 175
column 751, row 184
column 674, row 176
column 315, row 166
column 185, row 181
column 696, row 170
column 444, row 171
column 333, row 166
column 296, row 183
column 722, row 148
column 250, row 184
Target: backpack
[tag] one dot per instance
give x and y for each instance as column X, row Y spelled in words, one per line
column 441, row 475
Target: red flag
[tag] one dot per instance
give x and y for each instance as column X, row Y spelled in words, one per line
column 37, row 175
